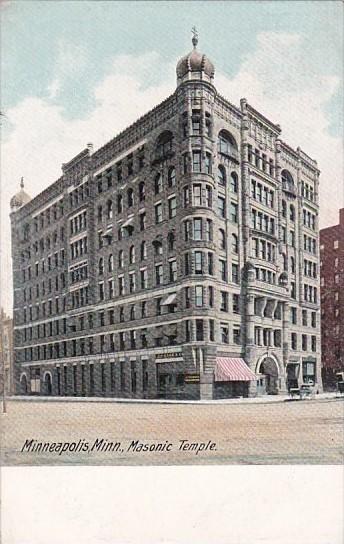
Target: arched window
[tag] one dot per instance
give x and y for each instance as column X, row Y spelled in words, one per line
column 234, row 182
column 235, row 246
column 292, row 213
column 132, row 255
column 101, row 266
column 292, row 265
column 130, row 196
column 119, row 203
column 171, row 176
column 143, row 251
column 287, row 178
column 120, row 258
column 142, row 191
column 158, row 249
column 158, row 184
column 221, row 175
column 226, row 143
column 110, row 263
column 222, row 239
column 284, row 208
column 164, row 145
column 109, row 209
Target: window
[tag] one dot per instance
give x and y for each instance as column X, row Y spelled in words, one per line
column 196, row 161
column 121, row 285
column 111, row 285
column 120, row 258
column 224, row 301
column 222, row 239
column 132, row 282
column 293, row 337
column 171, row 177
column 235, row 273
column 142, row 221
column 211, row 330
column 224, row 333
column 221, row 206
column 101, row 291
column 236, row 335
column 110, row 263
column 211, row 296
column 199, row 296
column 143, row 251
column 173, row 270
column 198, row 262
column 171, row 241
column 292, row 213
column 208, row 196
column 158, row 213
column 132, row 255
column 304, row 318
column 223, row 269
column 144, row 279
column 234, row 182
column 335, row 244
column 130, row 197
column 197, row 195
column 119, row 203
column 172, row 207
column 142, row 191
column 199, row 330
column 236, row 307
column 109, row 209
column 197, row 229
column 159, row 274
column 234, row 212
column 235, row 246
column 221, row 175
column 158, row 184
column 226, row 143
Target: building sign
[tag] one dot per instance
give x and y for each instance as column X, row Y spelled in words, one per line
column 174, row 355
column 191, row 378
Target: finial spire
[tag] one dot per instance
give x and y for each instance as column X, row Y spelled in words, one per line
column 22, row 182
column 194, row 36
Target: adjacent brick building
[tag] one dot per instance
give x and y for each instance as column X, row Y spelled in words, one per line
column 179, row 260
column 332, row 300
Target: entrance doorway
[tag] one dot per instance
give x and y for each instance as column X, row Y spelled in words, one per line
column 47, row 384
column 269, row 369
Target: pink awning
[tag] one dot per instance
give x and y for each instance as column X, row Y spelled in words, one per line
column 230, row 369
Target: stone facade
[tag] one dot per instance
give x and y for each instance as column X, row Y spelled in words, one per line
column 332, row 300
column 188, row 236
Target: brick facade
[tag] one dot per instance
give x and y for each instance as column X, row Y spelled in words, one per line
column 199, row 202
column 332, row 300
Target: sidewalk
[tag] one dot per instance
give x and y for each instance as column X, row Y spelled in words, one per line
column 267, row 399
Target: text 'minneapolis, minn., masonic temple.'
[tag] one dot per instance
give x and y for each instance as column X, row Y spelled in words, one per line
column 179, row 260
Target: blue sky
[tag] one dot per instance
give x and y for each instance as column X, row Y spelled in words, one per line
column 79, row 72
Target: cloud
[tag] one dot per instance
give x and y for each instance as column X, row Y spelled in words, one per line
column 71, row 62
column 274, row 78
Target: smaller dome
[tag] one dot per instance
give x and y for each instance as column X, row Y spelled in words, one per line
column 21, row 198
column 194, row 61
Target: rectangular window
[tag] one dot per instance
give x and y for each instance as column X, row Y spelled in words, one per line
column 234, row 212
column 173, row 270
column 236, row 305
column 221, row 205
column 197, row 195
column 158, row 213
column 199, row 296
column 235, row 273
column 224, row 333
column 224, row 302
column 199, row 330
column 159, row 274
column 172, row 207
column 197, row 229
column 211, row 330
column 196, row 161
column 198, row 262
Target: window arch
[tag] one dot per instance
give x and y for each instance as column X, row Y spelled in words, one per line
column 235, row 244
column 221, row 175
column 110, row 263
column 226, row 143
column 287, row 178
column 143, row 251
column 119, row 203
column 109, row 209
column 171, row 176
column 132, row 255
column 158, row 183
column 142, row 191
column 101, row 266
column 130, row 197
column 164, row 144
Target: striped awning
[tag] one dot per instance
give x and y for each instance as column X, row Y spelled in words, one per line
column 230, row 369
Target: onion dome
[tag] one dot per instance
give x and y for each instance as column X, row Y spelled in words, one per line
column 195, row 65
column 19, row 199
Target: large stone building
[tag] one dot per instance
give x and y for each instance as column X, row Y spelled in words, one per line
column 332, row 300
column 6, row 354
column 180, row 259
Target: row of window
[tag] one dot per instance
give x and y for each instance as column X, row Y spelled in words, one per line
column 46, row 287
column 51, row 263
column 262, row 194
column 46, row 308
column 261, row 249
column 305, row 345
column 78, row 223
column 305, row 315
column 260, row 160
column 307, row 191
column 78, row 248
column 49, row 216
column 262, row 221
column 106, row 178
column 309, row 219
column 79, row 195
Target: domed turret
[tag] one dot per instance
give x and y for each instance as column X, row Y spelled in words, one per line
column 19, row 199
column 195, row 65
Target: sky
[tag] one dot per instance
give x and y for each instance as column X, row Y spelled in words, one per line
column 80, row 72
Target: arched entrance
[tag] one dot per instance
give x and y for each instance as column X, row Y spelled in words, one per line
column 23, row 384
column 47, row 384
column 269, row 376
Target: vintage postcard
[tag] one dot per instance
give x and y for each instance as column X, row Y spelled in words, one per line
column 172, row 233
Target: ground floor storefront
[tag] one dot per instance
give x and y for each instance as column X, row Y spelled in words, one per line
column 178, row 373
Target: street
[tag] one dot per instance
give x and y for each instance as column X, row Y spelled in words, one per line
column 110, row 433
